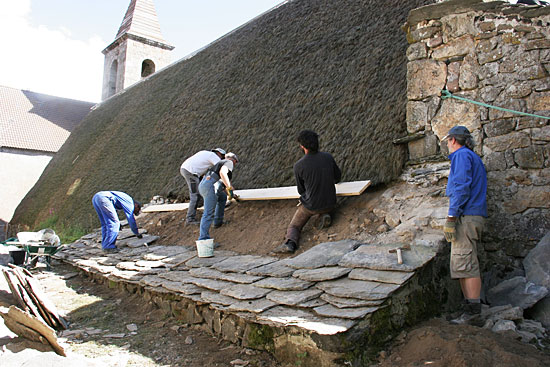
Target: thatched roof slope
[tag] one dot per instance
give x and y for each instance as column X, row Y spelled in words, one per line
column 337, row 67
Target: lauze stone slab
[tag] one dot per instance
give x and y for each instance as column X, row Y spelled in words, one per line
column 346, row 313
column 342, row 302
column 378, row 257
column 305, row 319
column 278, row 269
column 178, row 276
column 349, row 288
column 324, row 254
column 254, row 305
column 381, row 276
column 215, row 297
column 283, row 284
column 244, row 291
column 242, row 263
column 292, row 298
column 210, row 273
column 321, row 274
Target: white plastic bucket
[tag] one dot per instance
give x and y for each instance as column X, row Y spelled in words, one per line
column 205, row 248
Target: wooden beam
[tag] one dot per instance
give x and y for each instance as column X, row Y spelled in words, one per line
column 275, row 193
column 291, row 192
column 165, row 207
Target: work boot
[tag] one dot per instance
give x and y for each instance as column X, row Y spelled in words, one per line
column 218, row 225
column 325, row 220
column 471, row 315
column 286, row 248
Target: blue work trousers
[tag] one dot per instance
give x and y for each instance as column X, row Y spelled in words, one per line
column 110, row 224
column 213, row 193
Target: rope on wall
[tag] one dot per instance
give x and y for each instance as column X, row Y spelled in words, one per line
column 446, row 94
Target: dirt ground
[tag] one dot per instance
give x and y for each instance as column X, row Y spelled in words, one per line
column 258, row 227
column 100, row 320
column 97, row 314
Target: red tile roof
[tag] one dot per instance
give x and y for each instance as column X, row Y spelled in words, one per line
column 36, row 121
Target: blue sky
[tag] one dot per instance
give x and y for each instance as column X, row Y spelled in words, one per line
column 55, row 46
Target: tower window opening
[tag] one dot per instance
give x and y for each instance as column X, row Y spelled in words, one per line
column 147, row 68
column 112, row 78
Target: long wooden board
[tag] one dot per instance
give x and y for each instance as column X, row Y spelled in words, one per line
column 165, row 207
column 291, row 192
column 276, row 193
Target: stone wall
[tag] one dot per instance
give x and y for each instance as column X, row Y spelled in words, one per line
column 499, row 54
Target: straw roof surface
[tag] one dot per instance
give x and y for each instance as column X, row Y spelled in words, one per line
column 337, row 67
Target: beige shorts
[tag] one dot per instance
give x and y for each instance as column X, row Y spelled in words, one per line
column 464, row 260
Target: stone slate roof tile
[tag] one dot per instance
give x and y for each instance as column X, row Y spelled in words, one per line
column 35, row 121
column 322, row 306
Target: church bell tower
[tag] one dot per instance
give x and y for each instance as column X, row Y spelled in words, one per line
column 137, row 51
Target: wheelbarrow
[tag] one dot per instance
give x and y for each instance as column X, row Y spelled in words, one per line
column 32, row 248
column 36, row 250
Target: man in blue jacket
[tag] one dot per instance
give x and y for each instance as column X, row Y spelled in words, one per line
column 106, row 203
column 467, row 190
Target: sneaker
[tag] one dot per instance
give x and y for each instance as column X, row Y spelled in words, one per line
column 286, row 248
column 111, row 250
column 324, row 221
column 468, row 319
column 193, row 222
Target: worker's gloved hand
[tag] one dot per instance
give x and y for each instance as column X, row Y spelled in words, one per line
column 139, row 236
column 449, row 230
column 230, row 193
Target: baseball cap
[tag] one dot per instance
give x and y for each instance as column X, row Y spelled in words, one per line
column 458, row 131
column 219, row 150
column 232, row 155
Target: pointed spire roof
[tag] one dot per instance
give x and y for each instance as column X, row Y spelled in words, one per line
column 141, row 20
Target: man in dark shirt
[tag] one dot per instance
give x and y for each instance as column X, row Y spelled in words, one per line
column 316, row 173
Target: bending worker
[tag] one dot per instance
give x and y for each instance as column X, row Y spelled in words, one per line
column 467, row 191
column 192, row 169
column 316, row 173
column 214, row 188
column 106, row 203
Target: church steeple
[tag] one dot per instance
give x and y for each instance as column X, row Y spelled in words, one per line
column 139, row 49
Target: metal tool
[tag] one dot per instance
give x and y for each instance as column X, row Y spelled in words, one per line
column 398, row 250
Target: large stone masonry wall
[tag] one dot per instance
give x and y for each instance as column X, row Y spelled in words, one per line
column 499, row 54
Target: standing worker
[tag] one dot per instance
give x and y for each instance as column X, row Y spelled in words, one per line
column 214, row 188
column 467, row 190
column 192, row 169
column 316, row 174
column 106, row 203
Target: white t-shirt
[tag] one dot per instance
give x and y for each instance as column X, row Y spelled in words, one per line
column 200, row 162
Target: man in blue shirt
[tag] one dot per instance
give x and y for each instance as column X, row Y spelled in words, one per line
column 467, row 190
column 106, row 203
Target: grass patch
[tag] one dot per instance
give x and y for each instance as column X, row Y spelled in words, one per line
column 67, row 233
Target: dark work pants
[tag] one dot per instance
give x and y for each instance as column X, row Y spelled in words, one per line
column 299, row 220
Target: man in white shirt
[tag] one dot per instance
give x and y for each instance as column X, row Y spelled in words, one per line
column 192, row 169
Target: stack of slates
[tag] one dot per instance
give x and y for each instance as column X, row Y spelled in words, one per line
column 31, row 297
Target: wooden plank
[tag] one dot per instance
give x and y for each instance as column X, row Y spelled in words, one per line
column 275, row 193
column 165, row 207
column 35, row 324
column 291, row 192
column 45, row 307
column 12, row 284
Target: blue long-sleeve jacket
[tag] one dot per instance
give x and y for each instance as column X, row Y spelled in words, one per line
column 124, row 202
column 467, row 184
